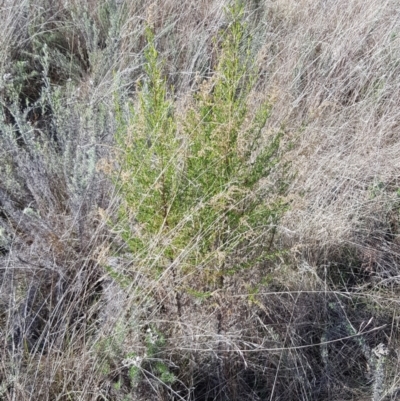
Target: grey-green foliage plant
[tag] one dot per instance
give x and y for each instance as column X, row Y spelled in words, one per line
column 193, row 185
column 155, row 342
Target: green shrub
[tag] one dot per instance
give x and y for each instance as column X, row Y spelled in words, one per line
column 194, row 183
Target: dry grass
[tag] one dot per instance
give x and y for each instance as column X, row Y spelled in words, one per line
column 79, row 322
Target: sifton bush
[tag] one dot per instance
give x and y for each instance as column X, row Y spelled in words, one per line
column 195, row 202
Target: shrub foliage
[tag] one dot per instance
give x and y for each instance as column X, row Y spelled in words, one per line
column 194, row 196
